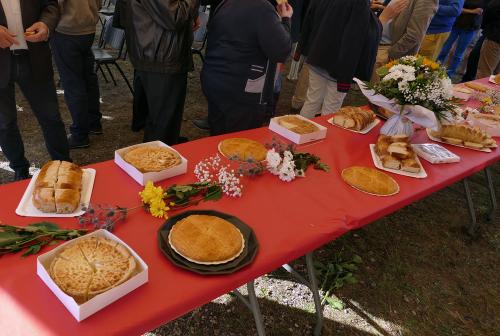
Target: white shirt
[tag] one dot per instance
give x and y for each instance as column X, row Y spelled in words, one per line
column 12, row 10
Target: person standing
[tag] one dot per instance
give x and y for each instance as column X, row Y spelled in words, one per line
column 25, row 59
column 334, row 59
column 159, row 34
column 440, row 28
column 72, row 48
column 489, row 59
column 465, row 28
column 246, row 40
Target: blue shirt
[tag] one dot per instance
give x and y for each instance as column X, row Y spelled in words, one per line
column 445, row 17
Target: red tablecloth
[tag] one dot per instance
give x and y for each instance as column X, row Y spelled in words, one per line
column 289, row 219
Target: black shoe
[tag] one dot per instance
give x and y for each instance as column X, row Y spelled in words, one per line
column 75, row 143
column 202, row 124
column 96, row 130
column 182, row 140
column 21, row 174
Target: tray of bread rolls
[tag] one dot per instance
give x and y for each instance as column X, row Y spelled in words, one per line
column 355, row 119
column 59, row 189
column 464, row 136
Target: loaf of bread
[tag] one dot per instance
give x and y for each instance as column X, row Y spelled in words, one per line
column 354, row 118
column 58, row 187
column 465, row 135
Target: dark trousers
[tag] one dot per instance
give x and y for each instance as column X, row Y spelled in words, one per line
column 227, row 116
column 42, row 98
column 165, row 96
column 140, row 105
column 76, row 64
column 472, row 62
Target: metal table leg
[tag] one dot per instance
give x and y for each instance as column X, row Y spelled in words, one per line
column 472, row 228
column 312, row 284
column 491, row 189
column 253, row 305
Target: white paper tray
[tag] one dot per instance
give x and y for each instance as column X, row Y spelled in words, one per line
column 143, row 178
column 492, row 80
column 364, row 131
column 27, row 209
column 485, row 150
column 378, row 164
column 84, row 310
column 299, row 139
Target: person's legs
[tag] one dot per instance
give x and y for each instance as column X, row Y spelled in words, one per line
column 140, row 105
column 300, row 94
column 70, row 61
column 432, row 44
column 489, row 59
column 92, row 82
column 382, row 59
column 472, row 62
column 455, row 33
column 333, row 99
column 315, row 95
column 166, row 94
column 464, row 38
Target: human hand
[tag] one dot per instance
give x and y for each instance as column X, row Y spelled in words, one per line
column 477, row 11
column 196, row 24
column 392, row 10
column 38, row 32
column 6, row 38
column 284, row 10
column 377, row 5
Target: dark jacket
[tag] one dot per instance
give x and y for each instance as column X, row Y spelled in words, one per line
column 246, row 38
column 491, row 21
column 32, row 11
column 341, row 37
column 469, row 21
column 159, row 33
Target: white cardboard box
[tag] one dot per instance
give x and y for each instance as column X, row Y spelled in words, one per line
column 142, row 178
column 84, row 310
column 295, row 137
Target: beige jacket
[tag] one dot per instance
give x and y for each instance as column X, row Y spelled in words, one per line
column 409, row 27
column 78, row 17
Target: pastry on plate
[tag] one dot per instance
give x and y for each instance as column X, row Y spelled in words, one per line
column 91, row 266
column 206, row 239
column 370, row 180
column 476, row 86
column 464, row 135
column 396, row 152
column 297, row 125
column 354, row 118
column 58, row 187
column 243, row 149
column 149, row 159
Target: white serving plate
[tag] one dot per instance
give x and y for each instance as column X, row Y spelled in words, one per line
column 379, row 165
column 363, row 131
column 485, row 150
column 27, row 209
column 84, row 310
column 492, row 80
column 299, row 139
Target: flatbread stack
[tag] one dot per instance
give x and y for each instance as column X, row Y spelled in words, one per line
column 91, row 266
column 149, row 159
column 396, row 152
column 243, row 149
column 354, row 118
column 464, row 135
column 58, row 187
column 207, row 240
column 297, row 125
column 370, row 181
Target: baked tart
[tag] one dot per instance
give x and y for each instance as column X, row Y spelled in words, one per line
column 370, row 180
column 243, row 149
column 149, row 159
column 297, row 125
column 207, row 240
column 91, row 266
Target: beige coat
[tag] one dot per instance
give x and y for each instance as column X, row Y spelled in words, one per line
column 78, row 17
column 408, row 28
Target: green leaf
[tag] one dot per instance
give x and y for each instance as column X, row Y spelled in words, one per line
column 357, row 259
column 33, row 249
column 334, row 302
column 214, row 193
column 9, row 238
column 382, row 71
column 45, row 226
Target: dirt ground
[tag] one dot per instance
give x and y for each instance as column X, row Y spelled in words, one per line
column 420, row 273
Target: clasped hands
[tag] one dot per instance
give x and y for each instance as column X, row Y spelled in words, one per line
column 38, row 32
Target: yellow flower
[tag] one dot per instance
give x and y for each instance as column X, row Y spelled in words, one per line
column 487, row 100
column 151, row 193
column 430, row 64
column 158, row 208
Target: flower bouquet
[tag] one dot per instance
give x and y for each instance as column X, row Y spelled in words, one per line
column 415, row 89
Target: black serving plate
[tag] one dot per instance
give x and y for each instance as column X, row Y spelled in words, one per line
column 246, row 257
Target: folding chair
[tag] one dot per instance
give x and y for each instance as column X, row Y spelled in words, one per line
column 200, row 36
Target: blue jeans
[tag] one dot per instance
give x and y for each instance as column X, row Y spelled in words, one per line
column 464, row 38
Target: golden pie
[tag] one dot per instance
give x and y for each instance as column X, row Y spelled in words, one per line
column 243, row 149
column 297, row 125
column 152, row 158
column 91, row 266
column 370, row 180
column 206, row 239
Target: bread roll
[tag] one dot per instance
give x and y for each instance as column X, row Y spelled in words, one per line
column 43, row 199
